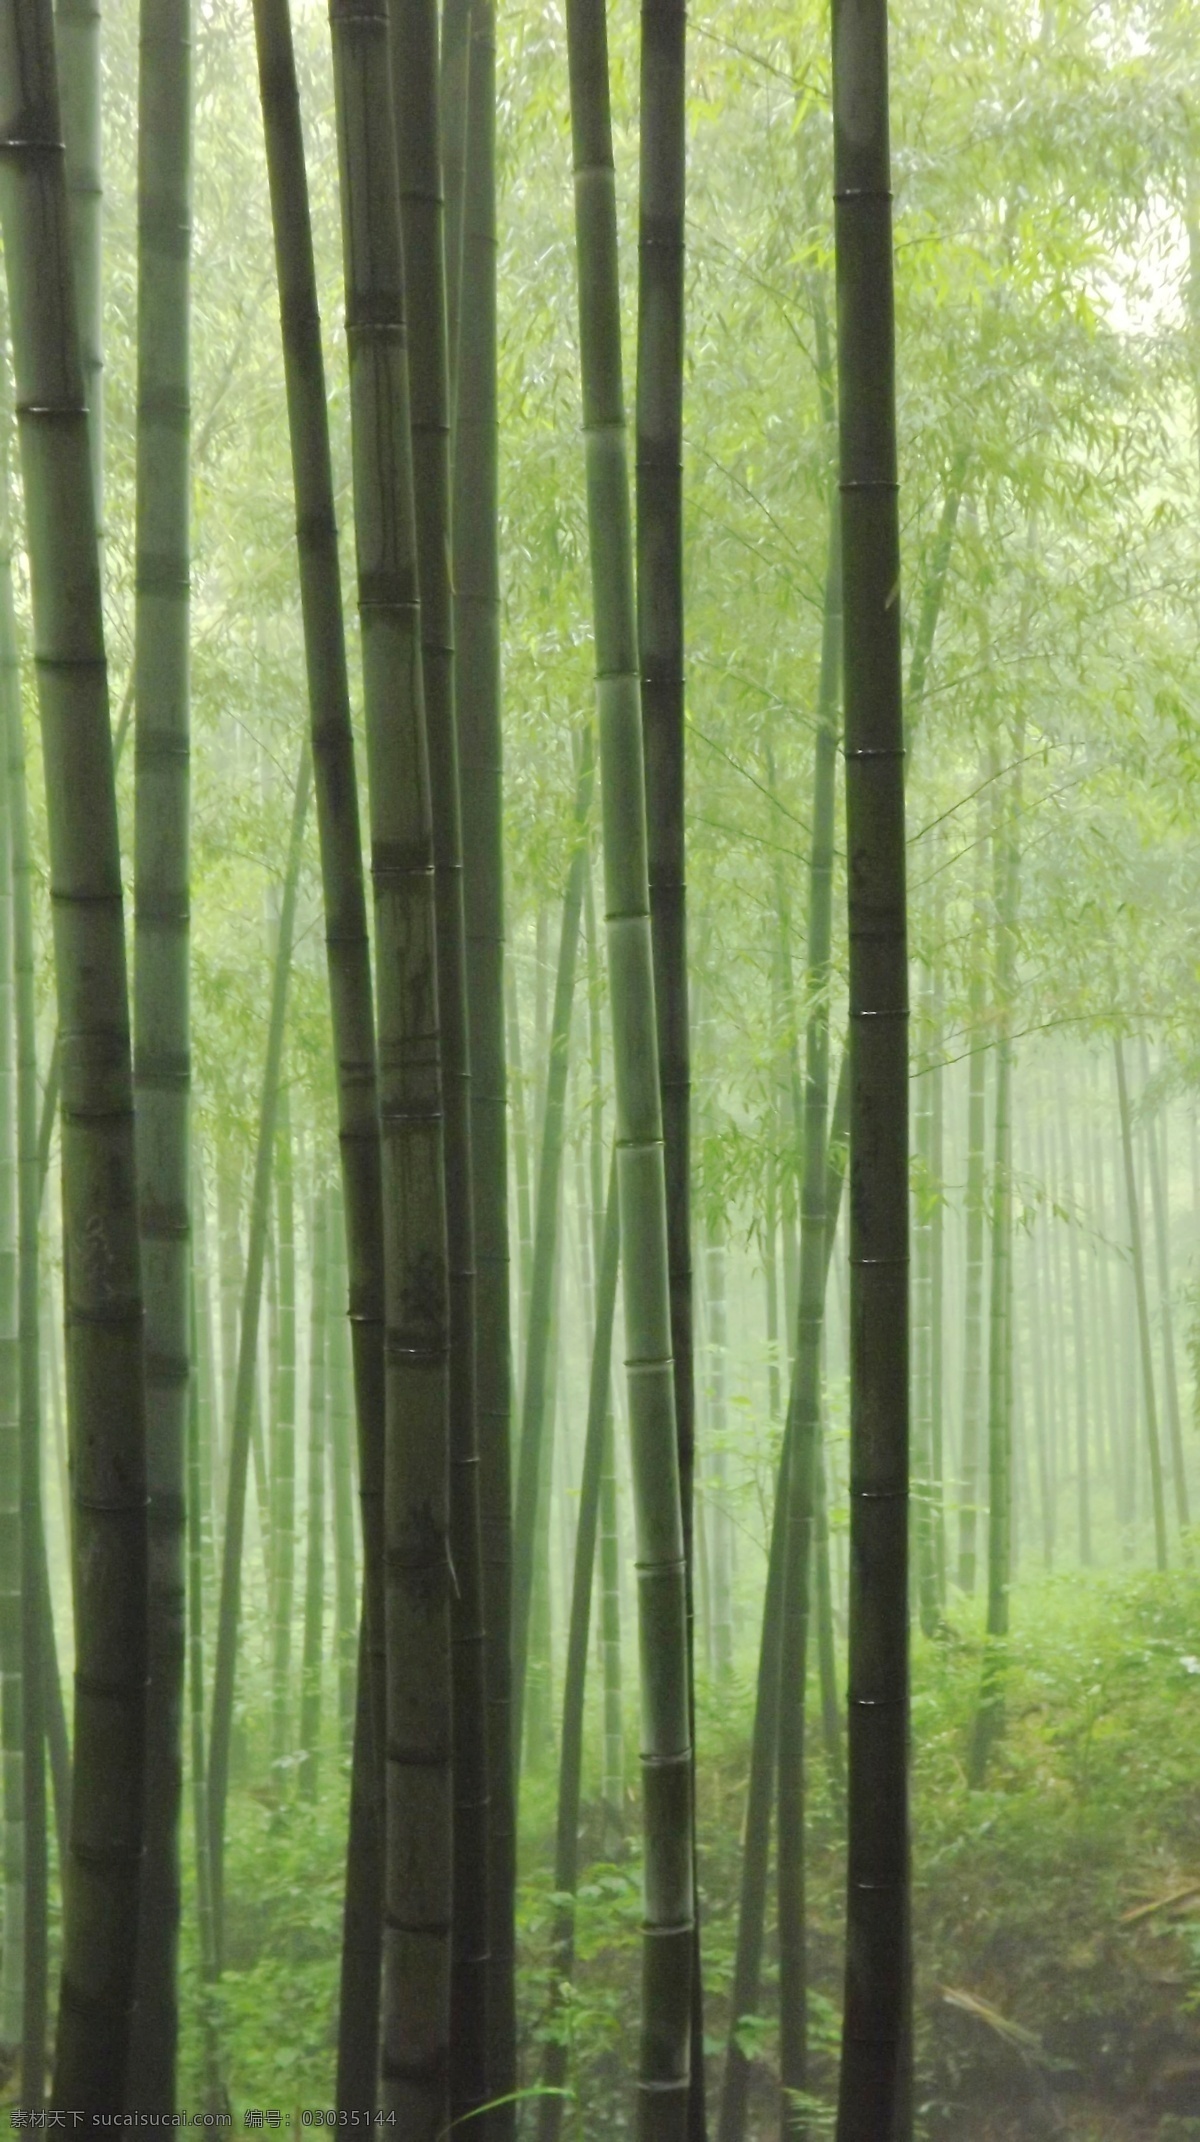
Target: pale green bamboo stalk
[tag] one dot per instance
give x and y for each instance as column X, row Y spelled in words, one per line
column 39, row 1670
column 318, row 1443
column 282, row 1519
column 12, row 1720
column 232, row 1545
column 539, row 1355
column 77, row 27
column 664, row 2066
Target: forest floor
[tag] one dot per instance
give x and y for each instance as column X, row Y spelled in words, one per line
column 1057, row 1911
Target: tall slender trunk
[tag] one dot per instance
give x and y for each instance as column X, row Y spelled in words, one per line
column 78, row 40
column 15, row 948
column 937, row 1250
column 665, row 2063
column 537, row 1350
column 215, row 2100
column 475, row 520
column 283, row 1440
column 318, row 1443
column 922, row 1319
column 972, row 1386
column 1133, row 1206
column 39, row 1670
column 350, row 993
column 756, row 1833
column 161, row 1062
column 340, row 1398
column 419, row 1708
column 717, row 1349
column 875, row 2093
column 804, row 1413
column 1083, row 1481
column 415, row 94
column 229, row 1605
column 12, row 1562
column 104, row 1306
column 660, row 626
column 989, row 1717
column 566, row 1850
column 1156, row 1136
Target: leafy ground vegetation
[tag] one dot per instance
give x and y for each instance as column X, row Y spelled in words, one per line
column 1057, row 1918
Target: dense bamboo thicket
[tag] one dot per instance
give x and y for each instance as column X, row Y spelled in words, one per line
column 599, row 1142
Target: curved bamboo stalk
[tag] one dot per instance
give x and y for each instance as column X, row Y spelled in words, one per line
column 804, row 1425
column 348, row 964
column 538, row 1351
column 104, row 1306
column 665, row 2063
column 566, row 1849
column 419, row 1785
column 161, row 1008
column 875, row 2096
column 735, row 2085
column 233, row 1542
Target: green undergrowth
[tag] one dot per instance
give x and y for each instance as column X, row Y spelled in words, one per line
column 1043, row 2005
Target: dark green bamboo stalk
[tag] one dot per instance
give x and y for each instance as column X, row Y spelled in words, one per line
column 229, row 1606
column 538, row 1353
column 756, row 1835
column 415, row 92
column 104, row 1313
column 566, row 1849
column 161, row 1063
column 477, row 633
column 660, row 624
column 875, row 2097
column 318, row 1441
column 1134, row 1210
column 804, row 1425
column 419, row 1784
column 347, row 957
column 665, row 2062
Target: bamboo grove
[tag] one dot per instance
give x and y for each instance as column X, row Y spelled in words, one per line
column 599, row 1156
